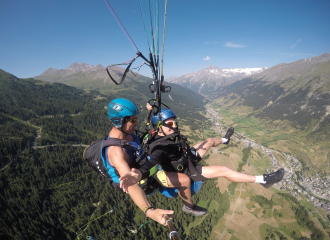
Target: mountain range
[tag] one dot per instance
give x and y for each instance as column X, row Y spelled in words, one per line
column 297, row 91
column 87, row 76
column 211, row 78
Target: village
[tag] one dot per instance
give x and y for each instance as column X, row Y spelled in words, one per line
column 315, row 189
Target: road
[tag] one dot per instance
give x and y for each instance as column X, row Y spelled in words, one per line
column 240, row 191
column 54, row 145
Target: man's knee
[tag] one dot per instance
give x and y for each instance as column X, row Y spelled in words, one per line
column 178, row 180
column 215, row 171
column 225, row 171
column 210, row 141
column 184, row 180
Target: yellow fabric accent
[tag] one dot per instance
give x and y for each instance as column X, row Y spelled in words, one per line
column 143, row 181
column 152, row 172
column 161, row 175
column 145, row 208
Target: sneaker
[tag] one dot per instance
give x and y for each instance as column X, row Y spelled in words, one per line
column 272, row 178
column 196, row 210
column 229, row 133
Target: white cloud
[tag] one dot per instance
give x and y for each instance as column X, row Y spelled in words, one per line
column 207, row 58
column 298, row 41
column 233, row 45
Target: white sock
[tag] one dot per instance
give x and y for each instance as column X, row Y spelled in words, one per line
column 224, row 140
column 260, row 179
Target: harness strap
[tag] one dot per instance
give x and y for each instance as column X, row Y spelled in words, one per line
column 119, row 143
column 181, row 163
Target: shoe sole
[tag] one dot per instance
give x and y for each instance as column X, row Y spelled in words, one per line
column 268, row 185
column 230, row 132
column 197, row 215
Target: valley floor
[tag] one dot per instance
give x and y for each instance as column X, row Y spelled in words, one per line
column 249, row 220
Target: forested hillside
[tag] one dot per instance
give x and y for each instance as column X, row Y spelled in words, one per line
column 46, row 189
column 50, row 193
column 135, row 85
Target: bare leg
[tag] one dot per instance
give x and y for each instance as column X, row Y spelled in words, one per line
column 222, row 171
column 203, row 147
column 182, row 183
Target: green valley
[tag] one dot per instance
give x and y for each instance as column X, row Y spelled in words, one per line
column 48, row 192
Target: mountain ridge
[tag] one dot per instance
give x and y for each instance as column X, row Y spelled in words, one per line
column 286, row 70
column 75, row 67
column 211, row 78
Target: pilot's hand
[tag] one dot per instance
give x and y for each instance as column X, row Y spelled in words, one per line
column 158, row 215
column 149, row 107
column 129, row 179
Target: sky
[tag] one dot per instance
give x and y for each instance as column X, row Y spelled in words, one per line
column 39, row 34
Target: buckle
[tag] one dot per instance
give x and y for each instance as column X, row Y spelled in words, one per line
column 180, row 167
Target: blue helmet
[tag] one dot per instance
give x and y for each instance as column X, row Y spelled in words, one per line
column 165, row 114
column 120, row 108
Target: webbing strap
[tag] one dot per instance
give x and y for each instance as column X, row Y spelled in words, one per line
column 125, row 73
column 116, row 142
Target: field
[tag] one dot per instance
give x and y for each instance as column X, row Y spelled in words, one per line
column 246, row 219
column 281, row 136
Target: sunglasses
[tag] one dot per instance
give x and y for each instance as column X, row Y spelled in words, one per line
column 132, row 120
column 172, row 124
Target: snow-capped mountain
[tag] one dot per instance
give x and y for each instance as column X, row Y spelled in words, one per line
column 233, row 72
column 212, row 78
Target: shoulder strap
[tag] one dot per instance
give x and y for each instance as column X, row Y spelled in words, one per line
column 116, row 142
column 119, row 143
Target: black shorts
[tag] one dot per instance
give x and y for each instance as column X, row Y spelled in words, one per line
column 192, row 168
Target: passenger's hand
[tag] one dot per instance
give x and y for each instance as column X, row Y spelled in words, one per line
column 129, row 179
column 158, row 215
column 149, row 107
